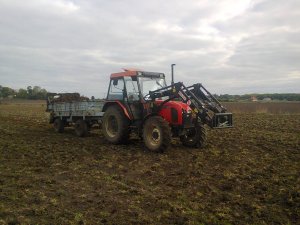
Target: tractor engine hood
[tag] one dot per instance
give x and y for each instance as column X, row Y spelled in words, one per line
column 174, row 111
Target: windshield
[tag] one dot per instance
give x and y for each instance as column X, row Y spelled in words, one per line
column 151, row 84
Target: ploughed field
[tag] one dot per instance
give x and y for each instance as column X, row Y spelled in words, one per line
column 245, row 175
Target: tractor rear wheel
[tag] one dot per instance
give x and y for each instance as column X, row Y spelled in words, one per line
column 156, row 134
column 115, row 125
column 81, row 128
column 194, row 137
column 58, row 125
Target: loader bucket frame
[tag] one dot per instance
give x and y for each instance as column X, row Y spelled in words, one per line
column 207, row 108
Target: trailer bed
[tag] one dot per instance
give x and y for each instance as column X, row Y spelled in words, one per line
column 86, row 108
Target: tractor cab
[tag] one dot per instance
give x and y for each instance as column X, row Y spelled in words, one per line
column 131, row 89
column 132, row 85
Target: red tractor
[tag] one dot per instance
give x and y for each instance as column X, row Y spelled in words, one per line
column 141, row 102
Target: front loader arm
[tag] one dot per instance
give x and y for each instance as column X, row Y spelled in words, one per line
column 207, row 108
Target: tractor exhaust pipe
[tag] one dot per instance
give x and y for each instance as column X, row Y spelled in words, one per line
column 172, row 73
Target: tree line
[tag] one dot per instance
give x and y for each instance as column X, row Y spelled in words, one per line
column 259, row 97
column 30, row 92
column 39, row 93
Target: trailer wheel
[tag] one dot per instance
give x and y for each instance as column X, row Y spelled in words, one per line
column 81, row 128
column 115, row 125
column 156, row 134
column 58, row 125
column 194, row 137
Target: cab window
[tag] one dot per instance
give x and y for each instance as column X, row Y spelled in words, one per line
column 132, row 88
column 116, row 89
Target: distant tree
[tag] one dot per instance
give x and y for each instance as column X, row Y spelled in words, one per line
column 43, row 93
column 35, row 92
column 38, row 93
column 6, row 91
column 22, row 93
column 29, row 91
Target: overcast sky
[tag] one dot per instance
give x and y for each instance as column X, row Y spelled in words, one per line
column 230, row 46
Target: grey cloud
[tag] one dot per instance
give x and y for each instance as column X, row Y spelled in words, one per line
column 269, row 50
column 69, row 45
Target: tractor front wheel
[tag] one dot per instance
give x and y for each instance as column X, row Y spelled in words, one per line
column 115, row 125
column 194, row 137
column 156, row 134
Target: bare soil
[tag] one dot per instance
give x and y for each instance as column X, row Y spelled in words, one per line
column 245, row 175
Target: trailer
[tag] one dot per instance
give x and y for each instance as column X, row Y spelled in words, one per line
column 82, row 114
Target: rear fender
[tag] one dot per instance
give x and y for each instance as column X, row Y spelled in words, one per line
column 109, row 103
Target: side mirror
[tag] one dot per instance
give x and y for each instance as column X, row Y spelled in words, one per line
column 115, row 82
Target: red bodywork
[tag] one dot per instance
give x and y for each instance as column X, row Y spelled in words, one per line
column 166, row 111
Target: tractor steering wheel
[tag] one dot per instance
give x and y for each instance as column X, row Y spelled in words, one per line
column 146, row 97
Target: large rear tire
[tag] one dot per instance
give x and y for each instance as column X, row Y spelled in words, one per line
column 194, row 137
column 156, row 134
column 81, row 128
column 58, row 125
column 115, row 125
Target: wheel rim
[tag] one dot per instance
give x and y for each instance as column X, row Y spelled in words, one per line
column 154, row 136
column 112, row 126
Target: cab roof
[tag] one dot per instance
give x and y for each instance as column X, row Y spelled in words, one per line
column 134, row 72
column 125, row 73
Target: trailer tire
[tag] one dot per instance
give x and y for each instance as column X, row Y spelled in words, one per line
column 81, row 128
column 58, row 125
column 52, row 118
column 195, row 138
column 115, row 125
column 156, row 134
